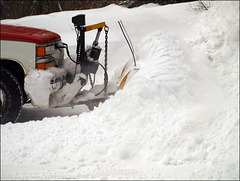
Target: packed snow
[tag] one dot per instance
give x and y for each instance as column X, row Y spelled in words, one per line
column 177, row 118
column 40, row 80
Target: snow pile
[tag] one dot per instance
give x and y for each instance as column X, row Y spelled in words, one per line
column 219, row 36
column 176, row 119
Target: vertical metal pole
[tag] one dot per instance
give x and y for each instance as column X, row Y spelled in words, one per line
column 82, row 42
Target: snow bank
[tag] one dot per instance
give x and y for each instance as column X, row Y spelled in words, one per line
column 218, row 36
column 178, row 117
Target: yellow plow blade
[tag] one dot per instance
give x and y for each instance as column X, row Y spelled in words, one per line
column 127, row 73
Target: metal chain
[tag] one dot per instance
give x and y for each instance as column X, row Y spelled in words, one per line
column 106, row 28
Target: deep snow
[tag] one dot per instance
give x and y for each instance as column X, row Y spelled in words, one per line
column 178, row 117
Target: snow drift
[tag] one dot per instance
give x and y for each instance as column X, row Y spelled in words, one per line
column 178, row 117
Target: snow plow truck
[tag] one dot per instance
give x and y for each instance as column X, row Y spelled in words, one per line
column 33, row 69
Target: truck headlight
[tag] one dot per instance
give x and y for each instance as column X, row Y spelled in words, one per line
column 50, row 50
column 45, row 50
column 48, row 55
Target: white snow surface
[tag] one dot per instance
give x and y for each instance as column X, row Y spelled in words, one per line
column 177, row 118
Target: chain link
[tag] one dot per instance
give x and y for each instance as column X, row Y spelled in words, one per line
column 106, row 28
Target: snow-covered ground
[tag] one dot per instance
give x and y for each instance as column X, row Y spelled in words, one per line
column 178, row 117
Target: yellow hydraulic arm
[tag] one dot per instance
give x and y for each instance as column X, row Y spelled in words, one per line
column 95, row 26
